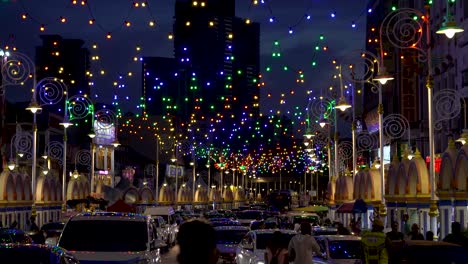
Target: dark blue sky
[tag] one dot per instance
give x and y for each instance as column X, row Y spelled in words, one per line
column 116, row 55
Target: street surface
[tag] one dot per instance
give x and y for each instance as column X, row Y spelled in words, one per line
column 171, row 256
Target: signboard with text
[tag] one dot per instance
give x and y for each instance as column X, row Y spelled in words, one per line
column 105, row 133
column 173, row 170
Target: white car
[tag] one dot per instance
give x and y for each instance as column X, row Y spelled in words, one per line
column 252, row 248
column 112, row 238
column 227, row 239
column 338, row 249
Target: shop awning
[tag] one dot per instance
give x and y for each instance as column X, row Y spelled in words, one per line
column 356, row 207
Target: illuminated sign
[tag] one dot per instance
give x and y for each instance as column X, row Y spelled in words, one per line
column 105, row 133
column 173, row 170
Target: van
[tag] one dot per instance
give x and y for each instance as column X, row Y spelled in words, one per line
column 112, row 238
column 165, row 220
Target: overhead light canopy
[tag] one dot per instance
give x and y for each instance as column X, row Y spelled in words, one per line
column 34, row 107
column 463, row 137
column 342, row 104
column 75, row 174
column 66, row 122
column 322, row 122
column 91, row 134
column 11, row 165
column 116, row 143
column 383, row 77
column 449, row 28
column 308, row 133
column 173, row 159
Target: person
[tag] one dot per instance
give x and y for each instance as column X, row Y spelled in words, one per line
column 374, row 244
column 457, row 237
column 342, row 230
column 429, row 236
column 415, row 234
column 190, row 248
column 14, row 224
column 406, row 224
column 277, row 249
column 395, row 234
column 33, row 225
column 37, row 235
column 302, row 245
column 357, row 227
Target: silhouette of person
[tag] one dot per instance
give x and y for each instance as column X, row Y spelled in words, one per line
column 456, row 237
column 14, row 224
column 190, row 247
column 33, row 225
column 415, row 234
column 429, row 235
column 277, row 248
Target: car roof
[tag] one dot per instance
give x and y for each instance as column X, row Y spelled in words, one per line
column 271, row 231
column 339, row 237
column 241, row 228
column 11, row 231
column 110, row 215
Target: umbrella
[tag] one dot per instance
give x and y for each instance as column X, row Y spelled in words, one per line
column 312, row 209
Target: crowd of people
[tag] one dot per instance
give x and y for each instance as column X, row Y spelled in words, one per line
column 376, row 244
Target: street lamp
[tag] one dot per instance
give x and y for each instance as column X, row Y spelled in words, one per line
column 406, row 15
column 449, row 26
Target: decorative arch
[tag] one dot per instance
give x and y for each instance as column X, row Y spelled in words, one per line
column 19, row 187
column 146, row 195
column 346, row 188
column 331, row 191
column 418, row 178
column 402, row 177
column 460, row 182
column 27, row 187
column 201, row 195
column 447, row 172
column 52, row 189
column 215, row 195
column 392, row 177
column 165, row 194
column 58, row 192
column 239, row 195
column 228, row 195
column 72, row 190
column 356, row 189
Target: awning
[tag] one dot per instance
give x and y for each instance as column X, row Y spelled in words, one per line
column 356, row 207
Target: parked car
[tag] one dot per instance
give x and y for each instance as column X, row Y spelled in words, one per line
column 112, row 238
column 13, row 235
column 169, row 226
column 338, row 249
column 252, row 248
column 52, row 229
column 227, row 239
column 35, row 254
column 422, row 251
column 248, row 216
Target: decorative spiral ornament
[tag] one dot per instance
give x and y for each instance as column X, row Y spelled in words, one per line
column 166, row 142
column 447, row 105
column 345, row 150
column 55, row 150
column 395, row 126
column 150, row 170
column 79, row 107
column 51, row 90
column 106, row 118
column 23, row 143
column 359, row 66
column 320, row 107
column 18, row 69
column 83, row 157
column 405, row 29
column 366, row 141
column 185, row 146
column 320, row 140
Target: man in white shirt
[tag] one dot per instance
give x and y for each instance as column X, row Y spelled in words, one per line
column 302, row 245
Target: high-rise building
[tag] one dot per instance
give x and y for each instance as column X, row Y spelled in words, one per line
column 215, row 66
column 65, row 59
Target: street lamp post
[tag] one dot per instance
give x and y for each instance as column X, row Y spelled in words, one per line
column 449, row 28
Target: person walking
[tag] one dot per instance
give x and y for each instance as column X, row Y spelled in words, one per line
column 277, row 249
column 374, row 244
column 302, row 245
column 415, row 234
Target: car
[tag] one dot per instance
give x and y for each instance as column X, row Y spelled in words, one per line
column 248, row 216
column 227, row 239
column 35, row 254
column 423, row 251
column 252, row 248
column 14, row 235
column 169, row 226
column 112, row 237
column 52, row 229
column 338, row 249
column 224, row 222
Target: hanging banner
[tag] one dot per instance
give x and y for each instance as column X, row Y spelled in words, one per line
column 173, row 170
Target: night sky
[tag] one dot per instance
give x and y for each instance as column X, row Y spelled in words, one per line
column 116, row 54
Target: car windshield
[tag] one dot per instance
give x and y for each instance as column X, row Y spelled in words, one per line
column 345, row 249
column 311, row 219
column 263, row 238
column 229, row 236
column 249, row 214
column 101, row 235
